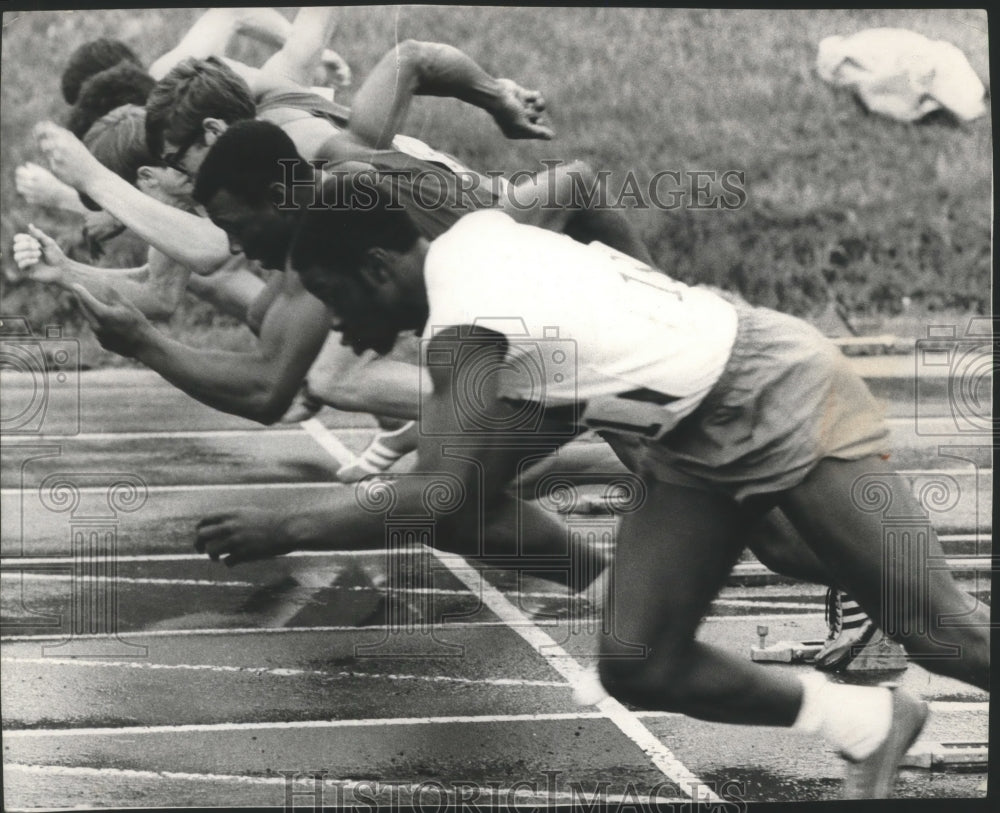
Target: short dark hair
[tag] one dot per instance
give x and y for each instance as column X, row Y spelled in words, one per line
column 333, row 239
column 244, row 160
column 194, row 90
column 124, row 83
column 90, row 58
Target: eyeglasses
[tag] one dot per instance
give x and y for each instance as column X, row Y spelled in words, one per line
column 176, row 159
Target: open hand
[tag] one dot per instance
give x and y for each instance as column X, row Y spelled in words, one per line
column 118, row 324
column 521, row 112
column 245, row 535
column 69, row 160
column 39, row 254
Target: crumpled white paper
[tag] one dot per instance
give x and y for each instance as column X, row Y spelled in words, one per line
column 902, row 74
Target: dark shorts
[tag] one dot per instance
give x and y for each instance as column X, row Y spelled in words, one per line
column 785, row 400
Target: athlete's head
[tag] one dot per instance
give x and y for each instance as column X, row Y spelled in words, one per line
column 192, row 106
column 241, row 184
column 362, row 256
column 91, row 58
column 118, row 140
column 124, row 83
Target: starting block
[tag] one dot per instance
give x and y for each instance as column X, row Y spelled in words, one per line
column 878, row 655
column 947, row 756
column 786, row 652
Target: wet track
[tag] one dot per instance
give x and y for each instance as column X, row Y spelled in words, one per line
column 222, row 679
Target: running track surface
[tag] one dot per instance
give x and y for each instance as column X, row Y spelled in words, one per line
column 232, row 686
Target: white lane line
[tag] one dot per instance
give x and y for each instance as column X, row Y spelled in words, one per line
column 901, row 422
column 560, row 660
column 280, row 672
column 937, row 706
column 16, row 491
column 371, row 788
column 226, row 631
column 162, row 633
column 318, row 581
column 379, row 722
column 329, row 441
column 960, row 705
column 778, row 605
column 14, row 562
column 179, row 434
column 36, row 733
column 744, row 568
column 817, row 613
column 68, row 577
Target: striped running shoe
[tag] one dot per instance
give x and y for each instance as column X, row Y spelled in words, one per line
column 850, row 629
column 384, row 450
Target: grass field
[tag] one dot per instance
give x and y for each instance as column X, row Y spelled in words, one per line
column 835, row 197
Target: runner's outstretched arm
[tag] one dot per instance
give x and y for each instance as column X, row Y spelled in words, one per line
column 303, row 50
column 483, row 521
column 415, row 68
column 190, row 240
column 154, row 288
column 214, row 30
column 259, row 384
column 40, row 187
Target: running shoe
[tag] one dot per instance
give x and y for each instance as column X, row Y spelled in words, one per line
column 850, row 629
column 385, row 449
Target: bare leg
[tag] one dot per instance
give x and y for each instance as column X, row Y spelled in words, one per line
column 781, row 548
column 941, row 626
column 671, row 560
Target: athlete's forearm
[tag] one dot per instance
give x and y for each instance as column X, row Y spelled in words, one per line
column 67, row 200
column 436, row 69
column 415, row 68
column 238, row 383
column 263, row 24
column 188, row 239
column 512, row 535
column 214, row 30
column 305, row 45
column 381, row 386
column 153, row 290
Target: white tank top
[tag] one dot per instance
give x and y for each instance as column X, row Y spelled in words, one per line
column 586, row 324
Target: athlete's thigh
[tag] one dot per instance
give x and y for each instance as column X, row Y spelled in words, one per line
column 780, row 547
column 849, row 512
column 672, row 557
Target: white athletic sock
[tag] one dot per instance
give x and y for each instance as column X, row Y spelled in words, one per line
column 854, row 719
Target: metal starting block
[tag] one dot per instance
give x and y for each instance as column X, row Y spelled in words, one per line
column 947, row 756
column 786, row 652
column 878, row 655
